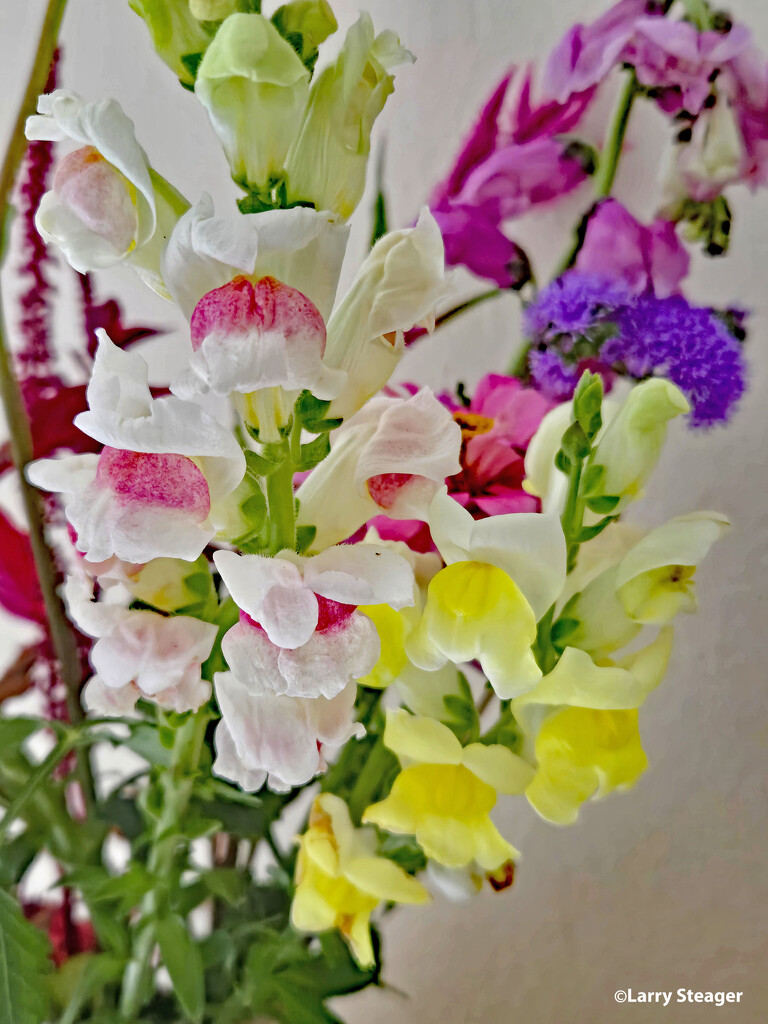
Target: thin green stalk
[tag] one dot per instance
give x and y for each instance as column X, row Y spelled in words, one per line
column 282, row 506
column 606, row 168
column 61, row 633
column 177, row 786
column 476, row 300
column 36, row 778
column 614, row 140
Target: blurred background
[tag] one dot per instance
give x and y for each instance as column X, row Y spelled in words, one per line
column 664, row 887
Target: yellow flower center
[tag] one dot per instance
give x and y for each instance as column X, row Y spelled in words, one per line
column 472, row 424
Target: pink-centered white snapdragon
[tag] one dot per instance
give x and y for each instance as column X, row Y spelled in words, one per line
column 107, row 204
column 152, row 491
column 140, row 653
column 264, row 342
column 295, row 656
column 300, row 633
column 391, row 458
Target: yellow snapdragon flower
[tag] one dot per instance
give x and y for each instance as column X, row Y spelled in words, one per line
column 340, row 880
column 445, row 792
column 583, row 720
column 584, row 753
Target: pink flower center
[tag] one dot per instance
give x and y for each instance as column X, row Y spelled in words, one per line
column 385, row 487
column 99, row 195
column 332, row 614
column 168, row 481
column 269, row 305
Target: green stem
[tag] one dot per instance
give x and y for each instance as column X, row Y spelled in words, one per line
column 62, row 635
column 606, row 168
column 38, row 776
column 614, row 140
column 476, row 300
column 368, row 783
column 280, row 499
column 167, row 843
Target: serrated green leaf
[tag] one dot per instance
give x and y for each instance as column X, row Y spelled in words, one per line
column 23, row 963
column 184, row 962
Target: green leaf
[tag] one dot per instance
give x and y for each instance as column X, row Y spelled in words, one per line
column 18, row 854
column 575, row 444
column 23, row 963
column 313, row 453
column 603, row 504
column 403, row 850
column 590, row 532
column 146, row 742
column 184, row 963
column 505, row 731
column 461, row 714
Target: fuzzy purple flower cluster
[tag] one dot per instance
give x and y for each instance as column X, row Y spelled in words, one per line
column 641, row 336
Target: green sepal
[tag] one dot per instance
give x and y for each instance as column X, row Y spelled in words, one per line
column 590, row 532
column 602, row 504
column 461, row 715
column 313, row 453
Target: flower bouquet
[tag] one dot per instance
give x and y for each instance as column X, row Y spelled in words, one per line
column 299, row 623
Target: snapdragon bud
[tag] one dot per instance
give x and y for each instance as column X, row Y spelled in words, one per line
column 629, row 449
column 255, row 88
column 328, row 160
column 213, row 10
column 177, row 35
column 305, row 24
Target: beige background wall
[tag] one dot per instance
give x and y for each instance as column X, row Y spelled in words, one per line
column 665, row 887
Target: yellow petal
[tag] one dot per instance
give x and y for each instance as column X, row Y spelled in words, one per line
column 423, row 740
column 498, row 767
column 391, row 627
column 581, row 753
column 385, row 880
column 475, row 611
column 359, row 936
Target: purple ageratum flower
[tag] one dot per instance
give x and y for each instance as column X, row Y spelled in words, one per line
column 690, row 346
column 647, row 258
column 552, row 375
column 573, row 304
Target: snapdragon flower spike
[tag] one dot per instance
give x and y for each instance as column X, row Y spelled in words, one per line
column 501, row 576
column 106, row 205
column 300, row 633
column 247, row 337
column 265, row 737
column 140, row 654
column 391, row 458
column 153, row 489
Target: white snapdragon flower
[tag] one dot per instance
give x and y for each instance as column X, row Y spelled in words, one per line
column 153, row 490
column 140, row 654
column 327, row 162
column 300, row 633
column 255, row 88
column 107, row 204
column 266, row 737
column 391, row 458
column 303, row 248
